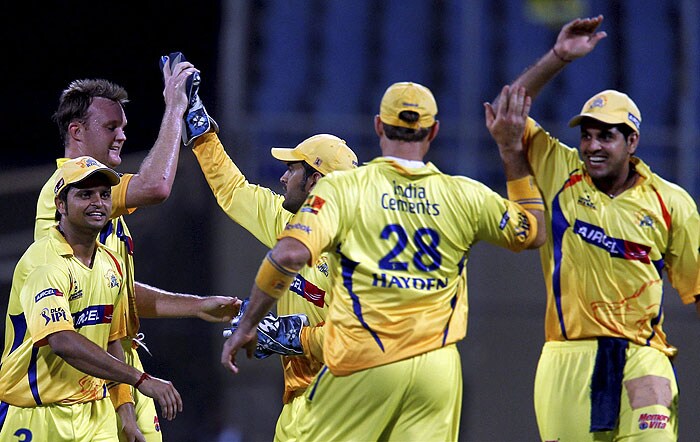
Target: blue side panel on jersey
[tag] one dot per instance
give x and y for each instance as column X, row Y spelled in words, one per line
column 32, row 376
column 19, row 328
column 3, row 413
column 559, row 227
column 348, row 267
column 318, row 380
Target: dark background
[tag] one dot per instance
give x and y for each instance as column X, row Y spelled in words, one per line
column 275, row 72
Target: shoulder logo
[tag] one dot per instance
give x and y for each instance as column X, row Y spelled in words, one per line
column 47, row 292
column 313, row 204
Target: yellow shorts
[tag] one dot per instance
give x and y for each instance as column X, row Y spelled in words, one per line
column 286, row 429
column 648, row 406
column 416, row 399
column 145, row 407
column 86, row 422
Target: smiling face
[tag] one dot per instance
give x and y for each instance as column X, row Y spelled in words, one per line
column 87, row 206
column 606, row 151
column 102, row 134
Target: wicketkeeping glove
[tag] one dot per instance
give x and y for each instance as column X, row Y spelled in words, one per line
column 276, row 334
column 197, row 120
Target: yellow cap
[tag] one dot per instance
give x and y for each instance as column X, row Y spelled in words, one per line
column 407, row 96
column 611, row 107
column 323, row 152
column 75, row 170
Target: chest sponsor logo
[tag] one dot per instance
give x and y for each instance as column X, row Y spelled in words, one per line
column 308, row 291
column 93, row 315
column 47, row 292
column 54, row 314
column 616, row 247
column 312, row 204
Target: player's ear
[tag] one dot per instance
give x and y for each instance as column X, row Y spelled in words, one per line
column 378, row 126
column 312, row 180
column 632, row 142
column 75, row 130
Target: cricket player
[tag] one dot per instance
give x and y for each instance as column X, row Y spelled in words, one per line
column 265, row 214
column 91, row 120
column 398, row 233
column 66, row 316
column 605, row 371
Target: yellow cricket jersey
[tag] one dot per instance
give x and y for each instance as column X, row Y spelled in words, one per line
column 603, row 258
column 398, row 240
column 259, row 210
column 115, row 234
column 53, row 291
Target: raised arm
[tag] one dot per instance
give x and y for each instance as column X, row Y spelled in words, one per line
column 576, row 39
column 507, row 125
column 154, row 181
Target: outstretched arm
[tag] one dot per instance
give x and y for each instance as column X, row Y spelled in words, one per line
column 152, row 302
column 154, row 181
column 276, row 273
column 507, row 125
column 576, row 39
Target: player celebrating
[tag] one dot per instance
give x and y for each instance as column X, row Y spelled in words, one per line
column 67, row 309
column 91, row 121
column 266, row 214
column 397, row 232
column 605, row 370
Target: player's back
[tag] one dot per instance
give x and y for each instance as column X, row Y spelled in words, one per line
column 399, row 280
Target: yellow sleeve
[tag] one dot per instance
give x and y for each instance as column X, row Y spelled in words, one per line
column 312, row 342
column 551, row 160
column 119, row 197
column 255, row 208
column 682, row 258
column 45, row 209
column 44, row 300
column 505, row 223
column 120, row 394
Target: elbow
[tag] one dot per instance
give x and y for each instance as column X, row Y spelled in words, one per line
column 156, row 194
column 161, row 192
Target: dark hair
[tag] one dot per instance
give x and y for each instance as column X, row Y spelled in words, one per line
column 77, row 97
column 63, row 196
column 401, row 133
column 308, row 170
column 625, row 130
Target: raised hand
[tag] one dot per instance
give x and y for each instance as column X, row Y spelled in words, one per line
column 175, row 77
column 507, row 123
column 578, row 37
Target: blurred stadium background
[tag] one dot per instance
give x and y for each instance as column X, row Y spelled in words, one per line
column 275, row 72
